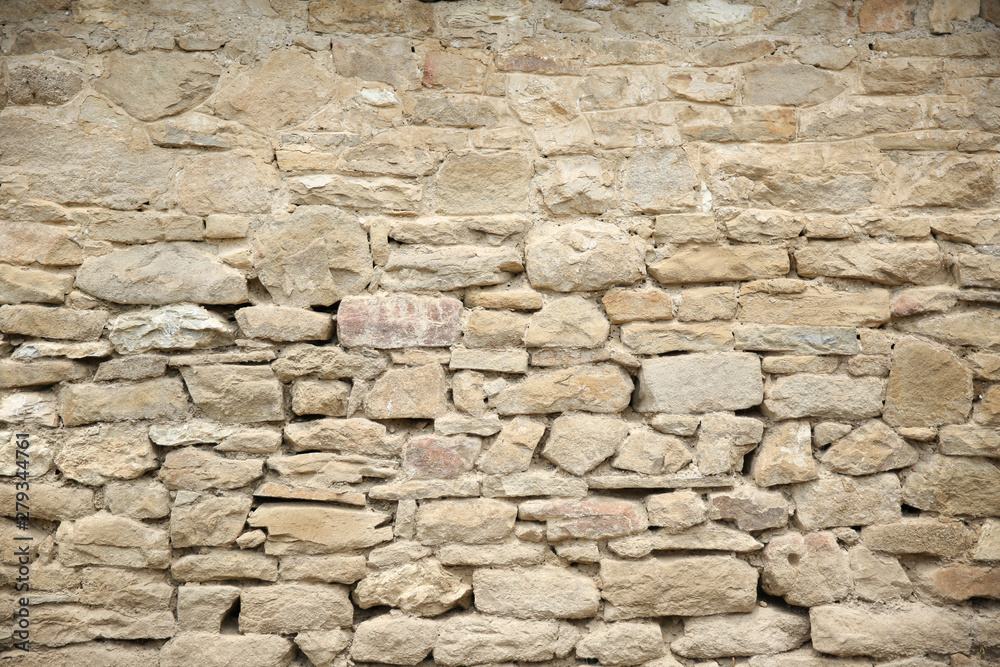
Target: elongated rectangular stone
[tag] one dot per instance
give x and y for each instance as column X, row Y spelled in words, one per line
column 495, row 361
column 61, row 323
column 398, row 321
column 819, row 306
column 711, row 264
column 677, row 586
column 829, row 396
column 657, row 338
column 163, row 398
column 798, row 340
column 697, row 383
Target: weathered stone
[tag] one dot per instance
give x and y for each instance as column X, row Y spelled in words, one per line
column 977, row 328
column 15, row 374
column 282, row 324
column 175, row 327
column 645, row 451
column 622, row 644
column 202, row 608
column 677, row 586
column 151, row 84
column 471, row 639
column 988, row 542
column 440, row 457
column 237, row 182
column 872, row 447
column 928, row 536
column 764, row 630
column 959, row 582
column 324, row 569
column 236, row 393
column 539, row 483
column 513, row 449
column 398, row 321
column 496, row 361
column 710, row 264
column 461, row 487
column 909, row 629
column 141, row 499
column 264, row 99
column 30, row 409
column 30, row 243
column 316, row 528
column 928, row 386
column 473, row 521
column 320, row 397
column 98, row 454
column 49, row 501
column 161, row 273
column 207, row 520
column 36, row 349
column 969, row 440
column 357, row 436
column 627, row 305
column 723, row 441
column 806, row 570
column 513, row 299
column 571, row 321
column 593, row 518
column 224, row 565
column 87, row 162
column 578, row 443
column 797, row 340
column 750, row 508
column 656, row 338
column 442, row 268
column 583, row 257
column 887, row 15
column 198, row 470
column 394, row 639
column 703, row 304
column 423, row 588
column 603, row 388
column 417, row 393
column 44, row 322
column 877, row 578
column 952, row 485
column 474, row 183
column 162, row 398
column 540, row 592
column 708, row 536
column 818, row 306
column 314, row 256
column 19, row 284
column 826, row 396
column 104, row 539
column 215, row 650
column 847, row 501
column 289, row 608
column 700, row 383
column 660, row 181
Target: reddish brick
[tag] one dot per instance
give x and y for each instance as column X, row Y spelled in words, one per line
column 396, row 321
column 437, row 456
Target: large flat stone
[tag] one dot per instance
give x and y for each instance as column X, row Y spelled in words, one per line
column 847, row 501
column 827, row 396
column 911, row 629
column 236, row 393
column 540, row 592
column 700, row 383
column 677, row 586
column 316, row 528
column 928, row 386
column 603, row 388
column 161, row 273
column 163, row 398
column 584, row 256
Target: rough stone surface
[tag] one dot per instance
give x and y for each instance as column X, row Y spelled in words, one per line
column 677, row 586
column 700, row 383
column 501, row 333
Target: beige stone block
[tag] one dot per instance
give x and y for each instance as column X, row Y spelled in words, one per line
column 411, row 393
column 659, row 338
column 21, row 284
column 320, row 397
column 251, row 650
column 202, row 608
column 163, row 398
column 953, row 485
column 806, row 570
column 283, row 324
column 677, row 586
column 578, row 443
column 541, row 592
column 316, row 528
column 709, row 264
column 847, row 501
column 470, row 639
column 583, row 256
column 601, row 388
column 826, row 396
column 44, row 322
column 645, row 451
column 225, row 565
column 815, row 306
column 286, row 608
column 394, row 639
column 908, row 629
column 423, row 588
column 917, row 535
column 870, row 448
column 236, row 393
column 928, row 386
column 765, row 630
column 699, row 383
column 199, row 470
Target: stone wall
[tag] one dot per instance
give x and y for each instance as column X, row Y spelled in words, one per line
column 477, row 332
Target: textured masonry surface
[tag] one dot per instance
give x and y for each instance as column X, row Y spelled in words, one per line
column 502, row 332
